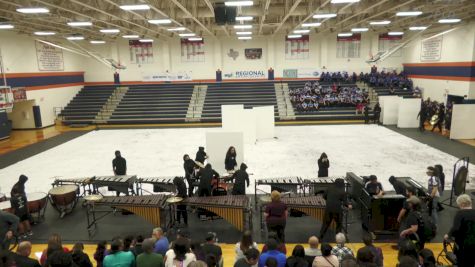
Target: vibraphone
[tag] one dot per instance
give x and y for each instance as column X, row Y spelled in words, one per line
column 319, row 184
column 119, row 183
column 84, row 183
column 281, row 184
column 153, row 208
column 160, row 184
column 231, row 208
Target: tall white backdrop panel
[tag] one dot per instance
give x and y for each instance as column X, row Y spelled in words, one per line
column 389, row 109
column 237, row 119
column 265, row 122
column 230, row 116
column 408, row 110
column 463, row 122
column 217, row 144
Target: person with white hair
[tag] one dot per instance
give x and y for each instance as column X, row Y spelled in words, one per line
column 463, row 231
column 340, row 250
column 312, row 251
column 161, row 243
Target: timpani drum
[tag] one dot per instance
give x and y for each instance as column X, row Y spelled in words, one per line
column 64, row 198
column 6, row 206
column 37, row 204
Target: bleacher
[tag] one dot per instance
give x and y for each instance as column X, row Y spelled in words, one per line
column 384, row 91
column 250, row 94
column 153, row 104
column 83, row 108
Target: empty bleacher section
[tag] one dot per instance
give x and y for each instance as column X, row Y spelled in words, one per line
column 383, row 91
column 153, row 104
column 250, row 94
column 85, row 106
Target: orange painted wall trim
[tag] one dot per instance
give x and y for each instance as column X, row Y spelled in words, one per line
column 450, row 78
column 44, row 87
column 441, row 64
column 42, row 74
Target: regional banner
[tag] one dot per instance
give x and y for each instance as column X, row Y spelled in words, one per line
column 167, row 76
column 245, row 74
column 297, row 48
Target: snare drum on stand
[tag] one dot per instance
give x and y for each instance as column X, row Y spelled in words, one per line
column 37, row 202
column 64, row 198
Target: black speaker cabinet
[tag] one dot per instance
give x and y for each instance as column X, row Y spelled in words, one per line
column 37, row 116
column 220, row 13
column 231, row 15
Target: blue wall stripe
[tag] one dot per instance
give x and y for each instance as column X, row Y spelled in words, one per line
column 43, row 80
column 468, row 71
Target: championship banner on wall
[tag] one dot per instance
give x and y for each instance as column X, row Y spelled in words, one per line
column 167, row 76
column 192, row 51
column 19, row 94
column 431, row 49
column 301, row 73
column 348, row 47
column 253, row 53
column 297, row 48
column 49, row 58
column 388, row 42
column 246, row 74
column 6, row 98
column 140, row 53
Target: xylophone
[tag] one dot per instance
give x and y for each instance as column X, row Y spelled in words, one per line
column 160, row 184
column 151, row 207
column 119, row 183
column 231, row 208
column 281, row 184
column 319, row 184
column 84, row 182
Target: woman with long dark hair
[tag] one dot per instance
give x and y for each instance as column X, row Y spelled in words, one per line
column 180, row 255
column 323, row 165
column 298, row 258
column 244, row 245
column 230, row 160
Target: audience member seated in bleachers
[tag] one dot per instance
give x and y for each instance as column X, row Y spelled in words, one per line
column 22, row 256
column 161, row 244
column 426, row 258
column 117, row 257
column 197, row 249
column 210, row 248
column 251, row 258
column 198, row 263
column 138, row 249
column 271, row 262
column 128, row 243
column 180, row 254
column 211, row 260
column 340, row 77
column 280, row 245
column 54, row 243
column 245, row 244
column 60, row 258
column 365, row 257
column 407, row 261
column 298, row 258
column 340, row 250
column 314, row 96
column 377, row 252
column 327, row 259
column 312, row 251
column 348, row 261
column 80, row 258
column 272, row 252
column 148, row 258
column 387, row 80
column 100, row 253
column 408, row 249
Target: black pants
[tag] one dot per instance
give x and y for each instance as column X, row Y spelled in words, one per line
column 279, row 230
column 376, row 118
column 181, row 211
column 438, row 125
column 190, row 186
column 464, row 258
column 327, row 220
column 204, row 192
column 421, row 124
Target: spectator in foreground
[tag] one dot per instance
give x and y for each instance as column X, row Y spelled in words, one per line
column 60, row 258
column 272, row 252
column 54, row 243
column 180, row 254
column 210, row 247
column 298, row 258
column 118, row 257
column 198, row 251
column 161, row 244
column 100, row 253
column 198, row 264
column 462, row 231
column 340, row 250
column 271, row 262
column 349, row 261
column 312, row 251
column 80, row 258
column 280, row 245
column 411, row 227
column 276, row 216
column 407, row 261
column 149, row 258
column 250, row 260
column 408, row 249
column 426, row 258
column 137, row 250
column 365, row 257
column 377, row 252
column 327, row 259
column 22, row 256
column 244, row 245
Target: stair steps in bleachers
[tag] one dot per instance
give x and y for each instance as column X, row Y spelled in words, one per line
column 284, row 106
column 109, row 107
column 197, row 101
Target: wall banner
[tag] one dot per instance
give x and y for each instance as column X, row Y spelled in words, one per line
column 167, row 76
column 289, row 73
column 431, row 49
column 388, row 42
column 297, row 48
column 192, row 51
column 301, row 73
column 19, row 94
column 348, row 47
column 253, row 53
column 140, row 53
column 245, row 74
column 49, row 58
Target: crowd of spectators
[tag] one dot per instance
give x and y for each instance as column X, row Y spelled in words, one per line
column 313, row 96
column 387, row 79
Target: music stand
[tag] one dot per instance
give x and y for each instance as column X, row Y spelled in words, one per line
column 459, row 180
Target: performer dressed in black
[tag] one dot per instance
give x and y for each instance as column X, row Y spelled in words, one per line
column 19, row 203
column 119, row 165
column 366, row 114
column 336, row 198
column 189, row 166
column 201, row 155
column 181, row 192
column 323, row 165
column 230, row 160
column 377, row 113
column 241, row 180
column 399, row 186
column 441, row 117
column 206, row 176
column 422, row 116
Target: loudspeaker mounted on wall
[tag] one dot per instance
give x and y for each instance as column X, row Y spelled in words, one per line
column 224, row 14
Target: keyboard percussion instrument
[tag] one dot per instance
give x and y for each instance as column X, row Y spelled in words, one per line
column 160, row 184
column 119, row 183
column 318, row 185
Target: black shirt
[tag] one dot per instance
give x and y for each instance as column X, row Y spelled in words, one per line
column 335, row 197
column 296, row 262
column 200, row 156
column 463, row 229
column 207, row 175
column 241, row 180
column 19, row 204
column 119, row 166
column 323, row 167
column 242, row 263
column 22, row 261
column 212, row 249
column 230, row 162
column 81, row 259
column 373, row 188
column 189, row 166
column 180, row 187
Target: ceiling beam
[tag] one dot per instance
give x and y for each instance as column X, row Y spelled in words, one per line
column 263, row 17
column 291, row 10
column 180, row 6
column 310, row 15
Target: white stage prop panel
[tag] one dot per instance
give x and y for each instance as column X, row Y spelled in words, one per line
column 265, row 122
column 463, row 122
column 230, row 116
column 389, row 109
column 247, row 124
column 407, row 112
column 217, row 144
column 237, row 119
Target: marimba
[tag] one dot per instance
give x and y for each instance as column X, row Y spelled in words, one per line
column 231, row 208
column 282, row 184
column 160, row 184
column 316, row 185
column 119, row 183
column 313, row 206
column 84, row 182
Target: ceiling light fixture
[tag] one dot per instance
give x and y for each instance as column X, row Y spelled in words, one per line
column 160, row 21
column 408, row 13
column 97, row 42
column 311, row 24
column 110, row 30
column 345, row 34
column 134, row 7
column 344, row 1
column 80, row 23
column 324, row 16
column 244, row 18
column 418, row 28
column 244, row 37
column 195, row 39
column 395, row 33
column 293, row 36
column 239, row 3
column 32, row 10
column 301, row 31
column 382, row 22
column 242, row 26
column 176, row 29
column 186, row 34
column 359, row 29
column 6, row 26
column 45, row 33
column 131, row 36
column 243, row 33
column 75, row 38
column 146, row 40
column 449, row 20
